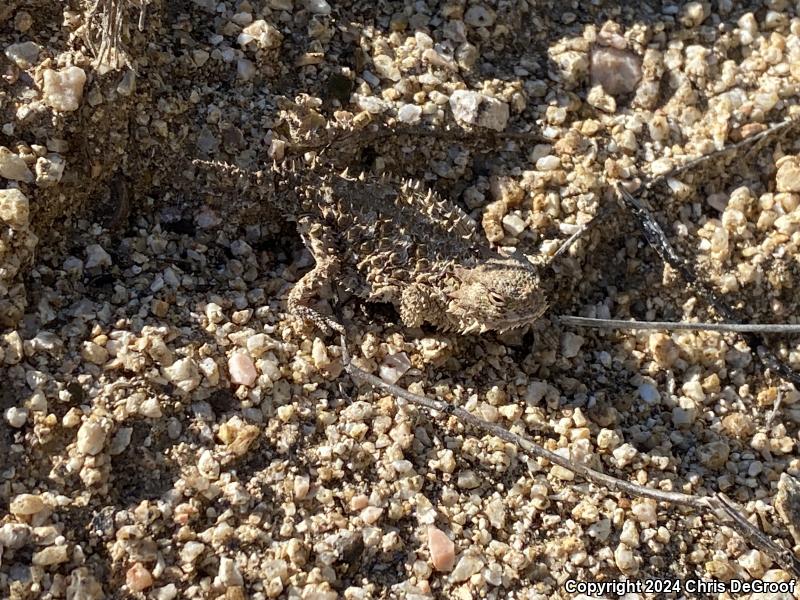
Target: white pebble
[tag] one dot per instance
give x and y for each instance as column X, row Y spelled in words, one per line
column 474, row 108
column 625, row 560
column 91, row 438
column 409, row 113
column 228, row 574
column 467, row 566
column 548, row 163
column 63, row 89
column 16, row 417
column 184, row 374
column 625, row 454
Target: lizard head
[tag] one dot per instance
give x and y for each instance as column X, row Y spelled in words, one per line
column 497, row 294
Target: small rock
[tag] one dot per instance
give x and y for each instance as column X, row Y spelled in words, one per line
column 96, row 256
column 23, row 54
column 385, row 67
column 13, row 166
column 616, row 71
column 318, row 7
column 63, row 89
column 409, row 113
column 184, row 374
column 262, row 33
column 787, row 178
column 245, row 69
column 16, row 417
column 787, row 504
column 26, row 504
column 394, row 366
column 53, row 555
column 467, row 566
column 626, row 560
column 138, row 578
column 548, row 163
column 571, row 344
column 49, row 170
column 598, row 98
column 649, row 393
column 91, row 438
column 468, row 480
column 474, row 108
column 625, row 454
column 14, row 209
column 228, row 574
column 441, row 548
column 94, row 353
column 241, row 369
column 319, row 354
column 478, row 15
column 514, row 224
column 714, row 455
column 371, row 514
column 754, row 563
column 14, row 535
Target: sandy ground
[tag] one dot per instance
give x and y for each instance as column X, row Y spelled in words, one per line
column 135, row 292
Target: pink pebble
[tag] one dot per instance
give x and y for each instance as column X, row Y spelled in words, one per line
column 442, row 549
column 242, row 369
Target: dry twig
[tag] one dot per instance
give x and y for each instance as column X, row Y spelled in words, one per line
column 680, row 325
column 719, row 505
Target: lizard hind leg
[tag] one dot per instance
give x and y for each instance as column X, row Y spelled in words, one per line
column 325, row 269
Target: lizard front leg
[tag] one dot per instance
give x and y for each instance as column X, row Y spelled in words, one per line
column 326, row 266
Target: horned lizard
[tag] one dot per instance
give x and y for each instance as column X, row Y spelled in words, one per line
column 399, row 243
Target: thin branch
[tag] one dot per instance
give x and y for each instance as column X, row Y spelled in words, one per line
column 658, row 241
column 752, row 141
column 679, row 325
column 719, row 505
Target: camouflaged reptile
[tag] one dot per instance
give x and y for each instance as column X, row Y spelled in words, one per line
column 398, row 243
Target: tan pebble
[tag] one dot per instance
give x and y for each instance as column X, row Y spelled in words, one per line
column 301, row 486
column 738, row 425
column 714, row 455
column 787, row 179
column 52, row 555
column 138, row 578
column 359, row 502
column 14, row 208
column 441, row 548
column 242, row 369
column 26, row 504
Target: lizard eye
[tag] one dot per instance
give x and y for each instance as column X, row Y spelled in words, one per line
column 495, row 298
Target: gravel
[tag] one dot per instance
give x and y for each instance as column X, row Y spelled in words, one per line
column 168, row 431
